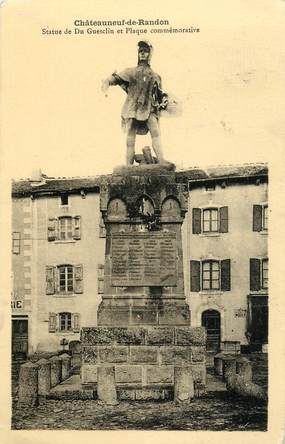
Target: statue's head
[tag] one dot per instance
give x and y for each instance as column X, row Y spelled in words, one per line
column 144, row 52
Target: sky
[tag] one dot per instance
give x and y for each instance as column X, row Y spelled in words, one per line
column 229, row 78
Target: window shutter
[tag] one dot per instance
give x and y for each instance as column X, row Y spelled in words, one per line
column 254, row 274
column 224, row 220
column 195, row 275
column 78, row 279
column 50, row 279
column 52, row 322
column 75, row 322
column 257, row 217
column 226, row 275
column 52, row 229
column 196, row 220
column 77, row 227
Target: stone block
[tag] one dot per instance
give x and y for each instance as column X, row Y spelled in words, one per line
column 112, row 335
column 117, row 353
column 143, row 354
column 238, row 385
column 44, row 376
column 112, row 317
column 128, row 374
column 229, row 367
column 28, row 385
column 160, row 336
column 56, row 370
column 106, row 388
column 159, row 374
column 199, row 373
column 218, row 364
column 89, row 354
column 174, row 315
column 175, row 355
column 183, row 384
column 198, row 353
column 244, row 368
column 88, row 373
column 190, row 336
column 149, row 394
column 143, row 316
column 125, row 394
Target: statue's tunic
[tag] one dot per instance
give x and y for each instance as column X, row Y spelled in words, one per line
column 143, row 87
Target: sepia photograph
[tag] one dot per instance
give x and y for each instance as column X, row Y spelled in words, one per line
column 141, row 153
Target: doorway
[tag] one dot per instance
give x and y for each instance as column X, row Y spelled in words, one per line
column 211, row 320
column 19, row 337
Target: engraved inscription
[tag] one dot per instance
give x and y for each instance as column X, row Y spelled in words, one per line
column 143, row 259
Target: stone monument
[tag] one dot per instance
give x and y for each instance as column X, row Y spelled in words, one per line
column 143, row 340
column 143, row 319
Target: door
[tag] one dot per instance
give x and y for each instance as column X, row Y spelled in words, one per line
column 211, row 320
column 19, row 338
column 259, row 320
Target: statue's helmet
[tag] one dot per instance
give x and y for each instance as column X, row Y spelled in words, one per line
column 144, row 44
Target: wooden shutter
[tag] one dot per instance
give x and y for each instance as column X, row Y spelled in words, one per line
column 195, row 275
column 257, row 217
column 77, row 227
column 52, row 229
column 78, row 279
column 75, row 322
column 226, row 275
column 254, row 274
column 50, row 279
column 196, row 220
column 52, row 322
column 224, row 220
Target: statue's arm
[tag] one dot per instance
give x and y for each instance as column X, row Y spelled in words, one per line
column 113, row 80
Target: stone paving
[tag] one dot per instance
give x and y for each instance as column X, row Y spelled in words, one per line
column 217, row 410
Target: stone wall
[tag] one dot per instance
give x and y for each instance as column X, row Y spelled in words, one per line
column 144, row 357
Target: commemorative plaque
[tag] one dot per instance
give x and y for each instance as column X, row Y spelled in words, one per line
column 144, row 259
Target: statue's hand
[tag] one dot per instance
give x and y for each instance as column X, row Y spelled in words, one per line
column 105, row 86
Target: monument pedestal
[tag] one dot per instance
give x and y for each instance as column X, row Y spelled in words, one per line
column 143, row 320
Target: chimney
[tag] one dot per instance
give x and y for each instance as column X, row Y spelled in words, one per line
column 37, row 177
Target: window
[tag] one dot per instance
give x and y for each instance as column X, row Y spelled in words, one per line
column 258, row 274
column 210, row 275
column 16, row 242
column 210, row 220
column 64, row 199
column 64, row 279
column 64, row 322
column 260, row 217
column 100, row 278
column 64, row 228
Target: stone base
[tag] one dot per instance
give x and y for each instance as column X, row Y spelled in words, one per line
column 144, row 169
column 144, row 358
column 149, row 314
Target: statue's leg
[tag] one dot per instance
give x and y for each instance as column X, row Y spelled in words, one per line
column 131, row 139
column 154, row 130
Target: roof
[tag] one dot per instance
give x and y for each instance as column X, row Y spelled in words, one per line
column 51, row 185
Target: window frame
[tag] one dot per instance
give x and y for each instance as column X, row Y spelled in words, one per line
column 67, row 321
column 211, row 220
column 263, row 279
column 264, row 219
column 67, row 230
column 211, row 263
column 66, row 268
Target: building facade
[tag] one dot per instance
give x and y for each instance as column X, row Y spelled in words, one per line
column 58, row 248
